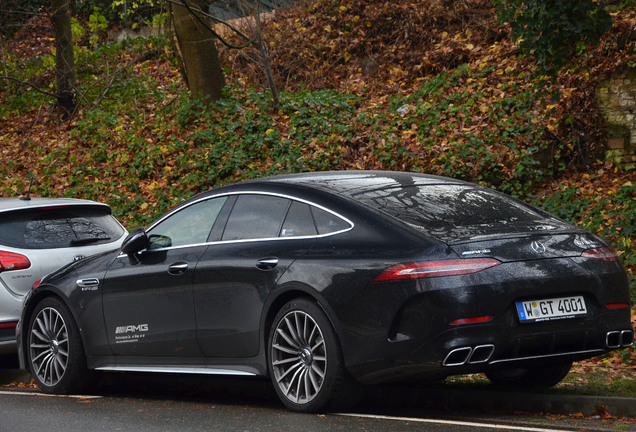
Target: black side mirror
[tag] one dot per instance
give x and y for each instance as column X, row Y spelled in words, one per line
column 135, row 242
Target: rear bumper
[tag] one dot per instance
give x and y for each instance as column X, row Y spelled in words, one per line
column 483, row 347
column 8, row 346
column 8, row 337
column 412, row 335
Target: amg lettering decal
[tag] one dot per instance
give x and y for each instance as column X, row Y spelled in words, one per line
column 131, row 329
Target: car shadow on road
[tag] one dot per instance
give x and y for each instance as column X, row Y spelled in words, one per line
column 249, row 391
column 193, row 387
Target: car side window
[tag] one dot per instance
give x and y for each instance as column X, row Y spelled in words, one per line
column 328, row 223
column 256, row 217
column 190, row 225
column 298, row 221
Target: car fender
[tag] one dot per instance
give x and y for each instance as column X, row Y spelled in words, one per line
column 31, row 300
column 283, row 294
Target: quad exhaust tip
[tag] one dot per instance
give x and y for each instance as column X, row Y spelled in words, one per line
column 619, row 339
column 469, row 355
column 482, row 353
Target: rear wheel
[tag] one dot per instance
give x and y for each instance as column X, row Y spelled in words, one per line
column 305, row 359
column 545, row 376
column 55, row 352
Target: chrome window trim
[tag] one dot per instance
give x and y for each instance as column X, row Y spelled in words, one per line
column 274, row 194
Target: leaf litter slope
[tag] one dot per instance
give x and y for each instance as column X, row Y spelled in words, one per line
column 422, row 85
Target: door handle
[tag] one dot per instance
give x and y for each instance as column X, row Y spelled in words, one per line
column 178, row 268
column 267, row 263
column 90, row 284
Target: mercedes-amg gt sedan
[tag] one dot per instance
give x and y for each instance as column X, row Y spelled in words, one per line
column 327, row 281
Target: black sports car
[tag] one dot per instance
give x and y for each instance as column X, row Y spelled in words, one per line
column 327, row 280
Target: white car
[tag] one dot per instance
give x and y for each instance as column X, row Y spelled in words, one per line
column 39, row 235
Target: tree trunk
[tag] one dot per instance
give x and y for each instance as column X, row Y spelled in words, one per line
column 200, row 57
column 64, row 57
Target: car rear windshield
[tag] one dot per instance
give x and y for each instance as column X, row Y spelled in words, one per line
column 454, row 212
column 58, row 227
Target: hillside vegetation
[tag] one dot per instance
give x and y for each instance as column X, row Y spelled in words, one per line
column 426, row 85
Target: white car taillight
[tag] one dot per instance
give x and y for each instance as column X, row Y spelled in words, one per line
column 13, row 261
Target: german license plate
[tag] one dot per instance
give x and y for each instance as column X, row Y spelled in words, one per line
column 551, row 309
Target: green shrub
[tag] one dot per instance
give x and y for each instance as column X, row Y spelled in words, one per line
column 194, row 145
column 467, row 129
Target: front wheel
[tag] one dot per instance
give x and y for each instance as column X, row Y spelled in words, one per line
column 545, row 376
column 55, row 352
column 305, row 359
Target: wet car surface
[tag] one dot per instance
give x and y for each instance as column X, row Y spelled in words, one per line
column 327, row 281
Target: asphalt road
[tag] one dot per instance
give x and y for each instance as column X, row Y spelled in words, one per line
column 31, row 411
column 160, row 403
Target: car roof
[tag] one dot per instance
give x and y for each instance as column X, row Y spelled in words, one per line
column 348, row 183
column 10, row 204
column 366, row 175
column 345, row 185
column 342, row 184
column 451, row 211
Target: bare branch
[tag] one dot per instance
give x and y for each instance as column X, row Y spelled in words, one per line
column 30, row 85
column 111, row 79
column 5, row 11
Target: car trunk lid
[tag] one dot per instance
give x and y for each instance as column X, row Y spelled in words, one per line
column 530, row 246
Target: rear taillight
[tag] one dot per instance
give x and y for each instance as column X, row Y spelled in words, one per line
column 601, row 254
column 55, row 207
column 13, row 261
column 428, row 269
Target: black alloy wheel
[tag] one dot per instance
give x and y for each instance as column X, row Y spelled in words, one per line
column 305, row 359
column 55, row 352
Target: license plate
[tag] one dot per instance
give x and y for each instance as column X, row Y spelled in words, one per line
column 551, row 309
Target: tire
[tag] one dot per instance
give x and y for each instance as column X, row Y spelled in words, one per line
column 546, row 376
column 305, row 360
column 55, row 353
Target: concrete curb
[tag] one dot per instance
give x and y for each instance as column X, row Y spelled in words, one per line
column 513, row 401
